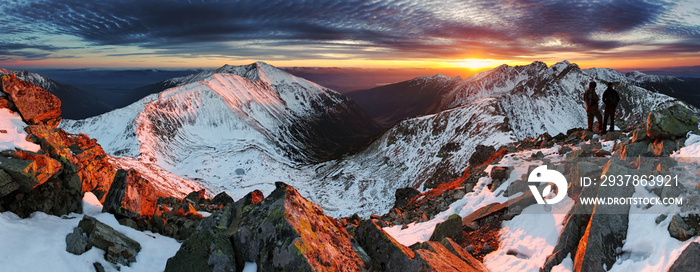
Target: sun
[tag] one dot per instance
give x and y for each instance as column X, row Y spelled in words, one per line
column 477, row 63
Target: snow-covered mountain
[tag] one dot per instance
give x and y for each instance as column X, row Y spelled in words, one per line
column 234, row 129
column 552, row 94
column 241, row 128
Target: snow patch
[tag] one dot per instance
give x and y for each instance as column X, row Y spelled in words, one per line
column 13, row 135
column 38, row 243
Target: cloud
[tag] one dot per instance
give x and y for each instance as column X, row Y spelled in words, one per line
column 395, row 28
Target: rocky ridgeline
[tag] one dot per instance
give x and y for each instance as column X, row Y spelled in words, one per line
column 591, row 236
column 284, row 231
column 53, row 179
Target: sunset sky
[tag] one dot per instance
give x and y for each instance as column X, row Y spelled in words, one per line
column 394, row 33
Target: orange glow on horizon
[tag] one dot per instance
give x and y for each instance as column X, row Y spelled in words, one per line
column 461, row 67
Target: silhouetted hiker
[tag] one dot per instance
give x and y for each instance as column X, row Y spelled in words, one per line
column 590, row 97
column 610, row 98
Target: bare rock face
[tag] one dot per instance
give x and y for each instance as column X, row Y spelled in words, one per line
column 35, row 105
column 32, row 182
column 287, row 231
column 688, row 260
column 130, row 195
column 674, row 121
column 210, row 247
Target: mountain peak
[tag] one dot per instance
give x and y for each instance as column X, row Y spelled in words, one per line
column 5, row 71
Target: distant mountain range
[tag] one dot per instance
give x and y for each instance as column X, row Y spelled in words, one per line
column 239, row 128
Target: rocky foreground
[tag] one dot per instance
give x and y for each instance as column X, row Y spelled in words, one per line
column 284, row 231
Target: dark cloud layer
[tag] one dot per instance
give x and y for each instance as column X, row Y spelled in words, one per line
column 393, row 28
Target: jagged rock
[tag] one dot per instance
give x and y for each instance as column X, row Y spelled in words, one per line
column 29, row 170
column 209, row 248
column 481, row 154
column 578, row 153
column 613, row 135
column 205, row 250
column 76, row 242
column 601, row 153
column 35, row 104
column 130, row 195
column 660, row 218
column 517, row 186
column 636, row 149
column 607, row 227
column 196, row 196
column 92, row 163
column 688, row 260
column 679, row 229
column 640, row 134
column 222, row 199
column 7, row 185
column 404, row 195
column 454, row 248
column 98, row 267
column 386, row 253
column 286, row 230
column 499, row 174
column 449, row 228
column 438, row 258
column 564, row 149
column 118, row 247
column 664, row 148
column 671, row 191
column 42, row 184
column 674, row 121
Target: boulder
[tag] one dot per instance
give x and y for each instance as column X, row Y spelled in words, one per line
column 457, row 250
column 636, row 149
column 449, row 228
column 679, row 229
column 481, row 154
column 76, row 241
column 386, row 254
column 38, row 183
column 640, row 134
column 92, row 163
column 34, row 104
column 499, row 174
column 222, row 199
column 688, row 260
column 7, row 185
column 209, row 248
column 435, row 257
column 118, row 247
column 205, row 250
column 130, row 195
column 672, row 122
column 285, row 230
column 29, row 170
column 664, row 148
column 404, row 196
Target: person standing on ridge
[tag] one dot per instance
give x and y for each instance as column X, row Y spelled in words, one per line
column 590, row 97
column 610, row 98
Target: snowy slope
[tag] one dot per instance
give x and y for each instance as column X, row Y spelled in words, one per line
column 242, row 128
column 237, row 130
column 526, row 240
column 417, row 151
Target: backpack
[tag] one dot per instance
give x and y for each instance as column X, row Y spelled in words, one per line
column 591, row 98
